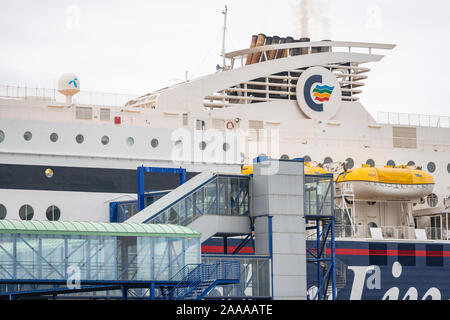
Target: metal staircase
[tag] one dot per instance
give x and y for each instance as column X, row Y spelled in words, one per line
column 196, row 281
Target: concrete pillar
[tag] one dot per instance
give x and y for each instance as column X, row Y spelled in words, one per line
column 278, row 193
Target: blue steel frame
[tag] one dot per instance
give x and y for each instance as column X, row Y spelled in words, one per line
column 318, row 250
column 140, row 180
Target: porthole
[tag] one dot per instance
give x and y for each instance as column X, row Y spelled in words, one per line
column 130, row 141
column 327, row 160
column 370, row 162
column 411, row 163
column 79, row 138
column 26, row 212
column 53, row 213
column 349, row 163
column 307, row 159
column 27, row 136
column 179, row 143
column 391, row 163
column 448, row 168
column 226, row 146
column 284, row 157
column 154, row 143
column 105, row 140
column 2, row 212
column 49, row 173
column 2, row 136
column 432, row 200
column 54, row 137
column 202, row 145
column 431, row 167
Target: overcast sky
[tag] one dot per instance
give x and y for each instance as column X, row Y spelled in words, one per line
column 137, row 46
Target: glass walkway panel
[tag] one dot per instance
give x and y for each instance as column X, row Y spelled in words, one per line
column 205, row 194
column 44, row 251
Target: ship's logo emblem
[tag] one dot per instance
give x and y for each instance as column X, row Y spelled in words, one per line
column 318, row 93
column 74, row 81
column 322, row 93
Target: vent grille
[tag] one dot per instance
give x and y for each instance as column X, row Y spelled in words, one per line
column 105, row 114
column 404, row 137
column 84, row 113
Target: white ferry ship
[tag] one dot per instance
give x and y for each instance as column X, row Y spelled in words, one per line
column 68, row 155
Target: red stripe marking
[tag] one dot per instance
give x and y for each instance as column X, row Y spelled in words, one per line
column 366, row 252
column 219, row 249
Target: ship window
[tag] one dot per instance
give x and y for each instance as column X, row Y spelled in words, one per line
column 53, row 213
column 431, row 167
column 26, row 212
column 27, row 136
column 327, row 160
column 284, row 157
column 202, row 145
column 307, row 158
column 105, row 140
column 349, row 163
column 448, row 168
column 432, row 200
column 435, row 257
column 154, row 143
column 406, row 254
column 411, row 163
column 370, row 162
column 226, row 146
column 130, row 141
column 79, row 138
column 49, row 173
column 185, row 119
column 2, row 212
column 391, row 163
column 2, row 136
column 54, row 137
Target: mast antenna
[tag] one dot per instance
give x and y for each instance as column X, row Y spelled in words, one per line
column 224, row 12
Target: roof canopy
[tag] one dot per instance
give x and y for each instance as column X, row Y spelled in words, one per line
column 96, row 228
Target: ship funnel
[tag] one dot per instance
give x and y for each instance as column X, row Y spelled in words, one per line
column 252, row 45
column 265, row 54
column 304, row 50
column 326, row 49
column 288, row 40
column 280, row 52
column 68, row 85
column 259, row 42
column 273, row 53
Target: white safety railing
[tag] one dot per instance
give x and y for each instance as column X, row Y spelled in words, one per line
column 83, row 97
column 410, row 119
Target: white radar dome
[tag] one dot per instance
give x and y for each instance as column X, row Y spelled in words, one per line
column 68, row 84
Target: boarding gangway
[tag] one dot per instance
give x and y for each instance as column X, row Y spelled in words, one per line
column 211, row 203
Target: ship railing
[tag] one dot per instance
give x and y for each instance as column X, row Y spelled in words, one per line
column 311, row 47
column 388, row 232
column 411, row 119
column 53, row 96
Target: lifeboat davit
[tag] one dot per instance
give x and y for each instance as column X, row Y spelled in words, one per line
column 388, row 183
